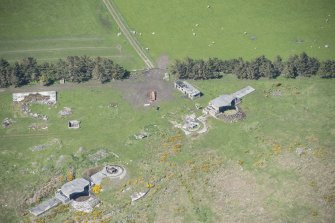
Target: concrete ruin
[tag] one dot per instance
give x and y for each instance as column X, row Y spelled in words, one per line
column 73, row 124
column 138, row 195
column 45, row 206
column 7, row 122
column 141, row 135
column 112, row 172
column 243, row 92
column 65, row 112
column 85, row 205
column 41, row 97
column 221, row 104
column 193, row 124
column 68, row 192
column 226, row 102
column 73, row 189
column 187, row 89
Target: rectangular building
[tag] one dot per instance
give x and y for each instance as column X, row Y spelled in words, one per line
column 187, row 89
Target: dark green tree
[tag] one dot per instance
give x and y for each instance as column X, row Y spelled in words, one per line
column 17, row 77
column 306, row 66
column 5, row 73
column 30, row 69
column 327, row 69
column 278, row 65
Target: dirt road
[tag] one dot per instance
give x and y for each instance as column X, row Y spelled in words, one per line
column 126, row 32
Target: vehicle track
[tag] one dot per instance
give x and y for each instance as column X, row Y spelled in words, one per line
column 126, row 32
column 57, row 49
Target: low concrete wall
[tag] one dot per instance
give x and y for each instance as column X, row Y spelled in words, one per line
column 18, row 97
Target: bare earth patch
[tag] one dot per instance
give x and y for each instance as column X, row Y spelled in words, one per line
column 135, row 90
column 162, row 62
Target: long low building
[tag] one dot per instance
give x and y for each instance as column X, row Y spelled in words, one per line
column 187, row 89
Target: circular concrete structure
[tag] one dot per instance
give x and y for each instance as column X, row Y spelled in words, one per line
column 114, row 172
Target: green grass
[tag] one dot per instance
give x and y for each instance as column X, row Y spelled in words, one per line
column 301, row 116
column 300, row 113
column 49, row 30
column 280, row 27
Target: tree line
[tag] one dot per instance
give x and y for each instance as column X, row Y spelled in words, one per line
column 73, row 68
column 295, row 66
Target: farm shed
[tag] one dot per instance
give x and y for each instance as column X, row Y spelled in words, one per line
column 187, row 89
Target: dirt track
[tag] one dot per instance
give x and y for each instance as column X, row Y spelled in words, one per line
column 133, row 42
column 57, row 49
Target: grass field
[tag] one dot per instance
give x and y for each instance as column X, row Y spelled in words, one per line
column 277, row 165
column 49, row 30
column 272, row 27
column 247, row 171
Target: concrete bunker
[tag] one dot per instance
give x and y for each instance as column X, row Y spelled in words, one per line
column 73, row 124
column 66, row 194
column 74, row 189
column 112, row 172
column 227, row 102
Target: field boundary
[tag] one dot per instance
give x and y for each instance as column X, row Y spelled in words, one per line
column 125, row 30
column 58, row 49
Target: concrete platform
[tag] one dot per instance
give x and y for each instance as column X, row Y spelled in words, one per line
column 44, row 206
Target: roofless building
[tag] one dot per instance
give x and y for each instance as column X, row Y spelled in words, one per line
column 187, row 89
